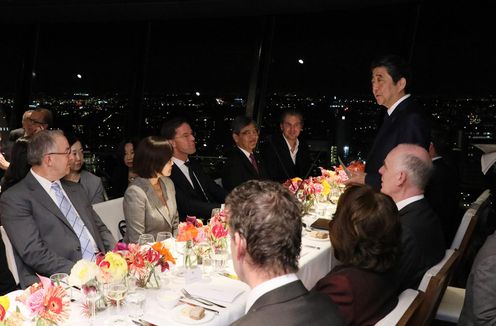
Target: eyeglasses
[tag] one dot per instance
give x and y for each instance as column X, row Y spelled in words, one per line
column 67, row 152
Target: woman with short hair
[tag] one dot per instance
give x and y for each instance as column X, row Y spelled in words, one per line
column 366, row 237
column 150, row 200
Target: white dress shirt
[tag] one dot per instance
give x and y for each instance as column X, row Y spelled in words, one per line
column 184, row 169
column 268, row 286
column 295, row 151
column 404, row 202
column 391, row 109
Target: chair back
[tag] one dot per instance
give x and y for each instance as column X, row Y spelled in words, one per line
column 9, row 252
column 465, row 230
column 111, row 213
column 408, row 302
column 483, row 197
column 434, row 285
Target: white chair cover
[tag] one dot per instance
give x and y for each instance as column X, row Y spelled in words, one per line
column 111, row 213
column 404, row 301
column 9, row 252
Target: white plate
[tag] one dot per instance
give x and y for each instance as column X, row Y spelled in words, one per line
column 310, row 237
column 178, row 316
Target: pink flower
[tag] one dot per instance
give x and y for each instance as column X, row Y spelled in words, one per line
column 35, row 301
column 218, row 231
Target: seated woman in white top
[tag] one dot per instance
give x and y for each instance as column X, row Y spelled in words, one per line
column 90, row 182
column 150, row 200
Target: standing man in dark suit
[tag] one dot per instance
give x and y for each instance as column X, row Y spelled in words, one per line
column 50, row 223
column 404, row 122
column 242, row 163
column 288, row 155
column 196, row 193
column 405, row 173
column 267, row 260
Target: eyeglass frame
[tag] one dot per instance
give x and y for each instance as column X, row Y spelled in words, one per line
column 33, row 121
column 66, row 152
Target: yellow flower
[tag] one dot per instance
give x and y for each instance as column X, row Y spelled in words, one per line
column 327, row 187
column 113, row 268
column 82, row 272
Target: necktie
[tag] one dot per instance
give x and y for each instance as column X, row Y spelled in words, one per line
column 253, row 162
column 75, row 221
column 196, row 183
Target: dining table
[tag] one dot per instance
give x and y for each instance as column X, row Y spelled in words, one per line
column 316, row 260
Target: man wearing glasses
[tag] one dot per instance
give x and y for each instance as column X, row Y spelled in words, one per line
column 50, row 222
column 196, row 193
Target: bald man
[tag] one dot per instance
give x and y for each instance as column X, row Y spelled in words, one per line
column 404, row 175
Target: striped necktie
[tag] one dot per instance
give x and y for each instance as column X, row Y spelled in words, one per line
column 75, row 221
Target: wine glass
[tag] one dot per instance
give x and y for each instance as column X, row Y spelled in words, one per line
column 92, row 293
column 116, row 291
column 62, row 279
column 145, row 239
column 215, row 211
column 166, row 239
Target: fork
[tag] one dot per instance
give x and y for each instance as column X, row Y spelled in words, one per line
column 199, row 299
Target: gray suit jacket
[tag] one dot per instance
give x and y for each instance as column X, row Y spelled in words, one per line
column 479, row 307
column 144, row 211
column 292, row 304
column 93, row 186
column 43, row 240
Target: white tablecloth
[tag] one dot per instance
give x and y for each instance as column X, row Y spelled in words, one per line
column 316, row 260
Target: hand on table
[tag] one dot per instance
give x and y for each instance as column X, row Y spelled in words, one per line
column 356, row 177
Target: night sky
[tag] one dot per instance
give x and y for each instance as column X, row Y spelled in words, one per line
column 452, row 54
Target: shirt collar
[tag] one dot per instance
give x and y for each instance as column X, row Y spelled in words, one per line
column 289, row 146
column 268, row 286
column 44, row 182
column 391, row 109
column 245, row 152
column 402, row 203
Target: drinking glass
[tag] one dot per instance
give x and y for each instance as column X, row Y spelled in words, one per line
column 135, row 303
column 219, row 258
column 166, row 238
column 92, row 293
column 145, row 239
column 215, row 211
column 116, row 291
column 62, row 279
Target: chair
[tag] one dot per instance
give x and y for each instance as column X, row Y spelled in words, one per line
column 408, row 302
column 433, row 285
column 483, row 197
column 465, row 230
column 9, row 252
column 111, row 213
column 451, row 305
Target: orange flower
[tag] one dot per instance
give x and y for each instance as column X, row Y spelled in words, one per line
column 56, row 308
column 187, row 232
column 163, row 251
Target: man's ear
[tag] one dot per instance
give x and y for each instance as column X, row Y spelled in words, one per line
column 235, row 138
column 401, row 83
column 401, row 178
column 240, row 243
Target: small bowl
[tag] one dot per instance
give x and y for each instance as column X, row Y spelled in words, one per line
column 168, row 299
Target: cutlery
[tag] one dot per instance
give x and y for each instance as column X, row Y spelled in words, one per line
column 196, row 305
column 146, row 323
column 310, row 246
column 200, row 299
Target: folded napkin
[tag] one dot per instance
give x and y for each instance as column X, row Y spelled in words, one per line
column 214, row 292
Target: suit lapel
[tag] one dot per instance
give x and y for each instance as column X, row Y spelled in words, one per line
column 181, row 180
column 247, row 163
column 44, row 199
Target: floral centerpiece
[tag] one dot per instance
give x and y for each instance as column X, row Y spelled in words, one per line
column 217, row 231
column 190, row 232
column 15, row 318
column 308, row 191
column 47, row 303
column 142, row 262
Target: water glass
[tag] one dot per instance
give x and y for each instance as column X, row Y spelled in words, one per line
column 116, row 291
column 62, row 279
column 166, row 239
column 92, row 294
column 219, row 258
column 215, row 211
column 135, row 303
column 145, row 239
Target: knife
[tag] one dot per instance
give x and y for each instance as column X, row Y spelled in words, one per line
column 197, row 305
column 346, row 170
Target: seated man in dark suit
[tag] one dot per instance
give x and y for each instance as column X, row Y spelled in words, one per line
column 196, row 193
column 479, row 307
column 404, row 121
column 405, row 172
column 289, row 156
column 265, row 228
column 242, row 163
column 443, row 190
column 51, row 223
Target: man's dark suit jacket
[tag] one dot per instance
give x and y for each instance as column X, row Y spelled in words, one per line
column 423, row 243
column 43, row 240
column 189, row 202
column 292, row 304
column 407, row 124
column 279, row 165
column 239, row 169
column 363, row 297
column 443, row 194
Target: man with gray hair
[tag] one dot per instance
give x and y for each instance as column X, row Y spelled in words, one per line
column 50, row 222
column 265, row 228
column 404, row 175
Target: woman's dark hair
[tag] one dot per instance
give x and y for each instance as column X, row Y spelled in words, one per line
column 151, row 156
column 366, row 230
column 121, row 148
column 19, row 166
